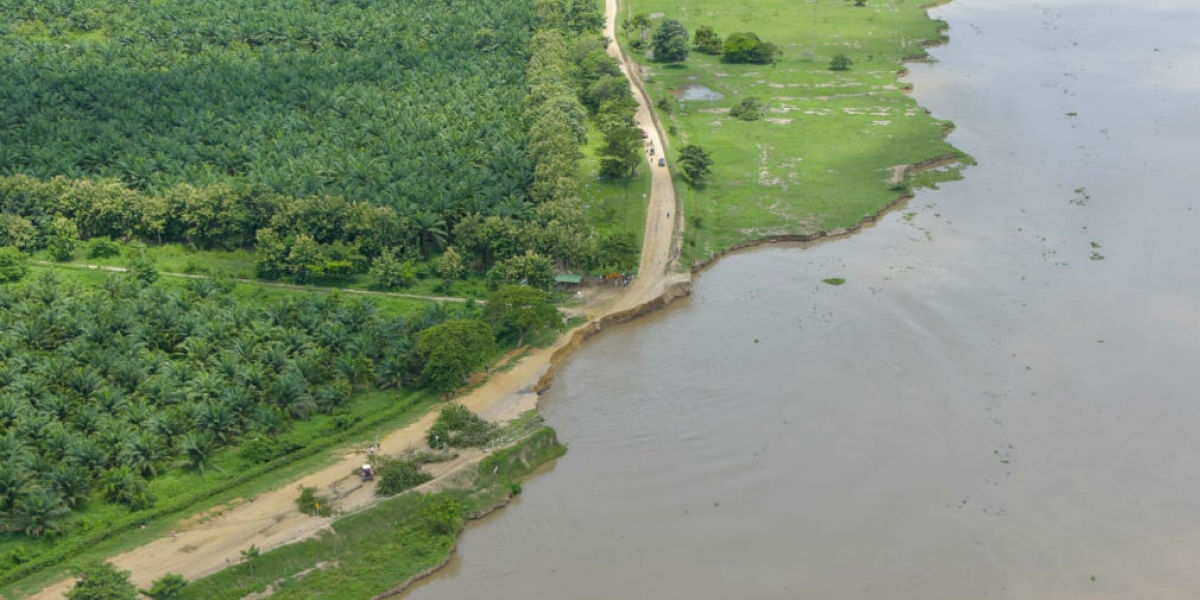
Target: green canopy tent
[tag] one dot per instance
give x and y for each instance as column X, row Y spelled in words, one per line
column 568, row 279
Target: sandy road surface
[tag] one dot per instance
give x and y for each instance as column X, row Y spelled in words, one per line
column 269, row 520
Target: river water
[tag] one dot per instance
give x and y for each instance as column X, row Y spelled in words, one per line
column 1002, row 400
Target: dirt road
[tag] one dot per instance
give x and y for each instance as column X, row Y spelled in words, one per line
column 205, row 544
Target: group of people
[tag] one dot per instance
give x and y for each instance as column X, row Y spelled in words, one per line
column 619, row 279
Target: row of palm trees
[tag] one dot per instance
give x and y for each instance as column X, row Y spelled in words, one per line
column 104, row 387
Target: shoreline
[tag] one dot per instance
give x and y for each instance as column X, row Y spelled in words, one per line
column 830, row 235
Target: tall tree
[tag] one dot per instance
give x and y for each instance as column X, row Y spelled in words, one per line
column 670, row 42
column 641, row 24
column 452, row 350
column 695, row 164
column 520, row 309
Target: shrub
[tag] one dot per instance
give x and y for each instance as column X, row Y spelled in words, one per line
column 747, row 48
column 707, row 41
column 123, row 486
column 391, row 272
column 102, row 247
column 451, row 264
column 458, row 427
column 396, row 475
column 259, row 448
column 14, row 265
column 442, row 514
column 101, row 581
column 668, row 104
column 140, row 265
column 840, row 62
column 19, row 555
column 311, row 503
column 750, row 109
column 167, row 587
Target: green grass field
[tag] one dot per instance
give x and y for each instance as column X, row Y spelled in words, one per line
column 240, row 264
column 823, row 153
column 615, row 206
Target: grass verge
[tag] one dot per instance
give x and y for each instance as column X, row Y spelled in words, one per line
column 241, row 264
column 615, row 206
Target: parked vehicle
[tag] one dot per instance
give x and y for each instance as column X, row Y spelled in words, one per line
column 367, row 473
column 662, row 162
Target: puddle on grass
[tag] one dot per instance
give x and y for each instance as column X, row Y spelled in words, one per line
column 698, row 92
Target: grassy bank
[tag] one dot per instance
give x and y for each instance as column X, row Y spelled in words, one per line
column 373, row 551
column 823, row 153
column 615, row 206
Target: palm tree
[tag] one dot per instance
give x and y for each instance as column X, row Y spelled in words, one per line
column 267, row 419
column 122, row 486
column 11, row 411
column 249, row 555
column 355, row 368
column 70, row 482
column 291, row 394
column 431, row 231
column 39, row 512
column 14, row 484
column 88, row 454
column 389, row 374
column 83, row 380
column 216, row 419
column 197, row 449
column 143, row 453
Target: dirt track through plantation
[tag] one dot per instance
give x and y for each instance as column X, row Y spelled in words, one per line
column 203, row 545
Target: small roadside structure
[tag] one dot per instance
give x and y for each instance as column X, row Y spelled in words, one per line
column 567, row 280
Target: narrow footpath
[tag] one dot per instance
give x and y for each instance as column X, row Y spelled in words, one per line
column 206, row 544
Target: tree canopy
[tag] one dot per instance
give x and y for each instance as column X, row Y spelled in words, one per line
column 695, row 164
column 452, row 350
column 747, row 48
column 520, row 310
column 101, row 581
column 670, row 42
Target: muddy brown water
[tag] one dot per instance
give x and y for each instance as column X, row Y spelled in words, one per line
column 986, row 408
